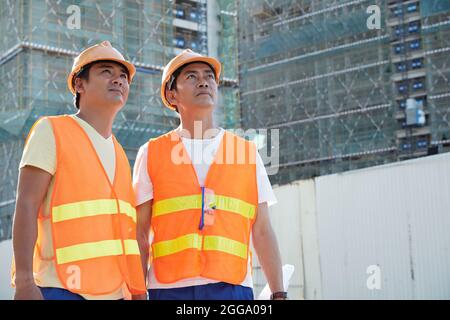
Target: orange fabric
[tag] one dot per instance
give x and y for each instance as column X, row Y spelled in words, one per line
column 235, row 179
column 80, row 177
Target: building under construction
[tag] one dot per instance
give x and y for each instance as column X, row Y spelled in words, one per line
column 336, row 85
column 40, row 38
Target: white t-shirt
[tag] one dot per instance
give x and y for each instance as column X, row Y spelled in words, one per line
column 201, row 152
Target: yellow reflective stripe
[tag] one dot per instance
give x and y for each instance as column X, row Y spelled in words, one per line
column 177, row 204
column 238, row 206
column 224, row 203
column 194, row 241
column 127, row 208
column 189, row 241
column 131, row 247
column 225, row 245
column 91, row 208
column 97, row 249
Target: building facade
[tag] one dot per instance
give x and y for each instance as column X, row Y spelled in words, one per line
column 335, row 81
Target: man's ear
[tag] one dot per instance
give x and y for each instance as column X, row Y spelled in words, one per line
column 171, row 97
column 79, row 86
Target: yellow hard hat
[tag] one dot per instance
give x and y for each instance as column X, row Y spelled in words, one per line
column 185, row 57
column 98, row 52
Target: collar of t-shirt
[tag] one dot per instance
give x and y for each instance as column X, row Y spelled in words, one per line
column 87, row 126
column 202, row 153
column 104, row 147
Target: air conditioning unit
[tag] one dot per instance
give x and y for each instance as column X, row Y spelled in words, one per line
column 414, row 113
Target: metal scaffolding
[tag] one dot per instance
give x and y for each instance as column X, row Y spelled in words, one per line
column 228, row 56
column 315, row 71
column 36, row 53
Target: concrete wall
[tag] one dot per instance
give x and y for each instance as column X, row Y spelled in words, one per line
column 375, row 233
column 394, row 218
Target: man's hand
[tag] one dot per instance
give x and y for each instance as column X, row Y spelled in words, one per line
column 281, row 299
column 27, row 290
column 139, row 297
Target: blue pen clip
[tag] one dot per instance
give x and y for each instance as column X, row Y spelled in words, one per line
column 202, row 219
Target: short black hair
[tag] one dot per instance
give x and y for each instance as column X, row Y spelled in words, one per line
column 84, row 74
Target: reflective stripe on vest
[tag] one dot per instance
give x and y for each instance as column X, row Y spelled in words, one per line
column 97, row 249
column 194, row 241
column 91, row 208
column 224, row 203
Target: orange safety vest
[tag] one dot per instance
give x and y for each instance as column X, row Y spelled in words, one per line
column 181, row 249
column 93, row 221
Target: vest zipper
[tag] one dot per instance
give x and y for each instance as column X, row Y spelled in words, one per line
column 202, row 219
column 200, row 227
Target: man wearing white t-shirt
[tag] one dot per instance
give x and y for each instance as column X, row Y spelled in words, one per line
column 202, row 213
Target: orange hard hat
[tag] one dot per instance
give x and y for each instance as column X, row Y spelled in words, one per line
column 98, row 52
column 185, row 57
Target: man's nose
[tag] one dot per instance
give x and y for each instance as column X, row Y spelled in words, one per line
column 118, row 81
column 203, row 83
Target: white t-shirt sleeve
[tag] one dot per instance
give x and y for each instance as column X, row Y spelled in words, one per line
column 142, row 185
column 265, row 191
column 40, row 150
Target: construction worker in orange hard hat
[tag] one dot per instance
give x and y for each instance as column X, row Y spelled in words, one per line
column 74, row 231
column 202, row 193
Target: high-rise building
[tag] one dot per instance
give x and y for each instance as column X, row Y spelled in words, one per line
column 334, row 78
column 39, row 39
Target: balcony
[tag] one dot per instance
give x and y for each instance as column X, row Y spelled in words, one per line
column 415, row 132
